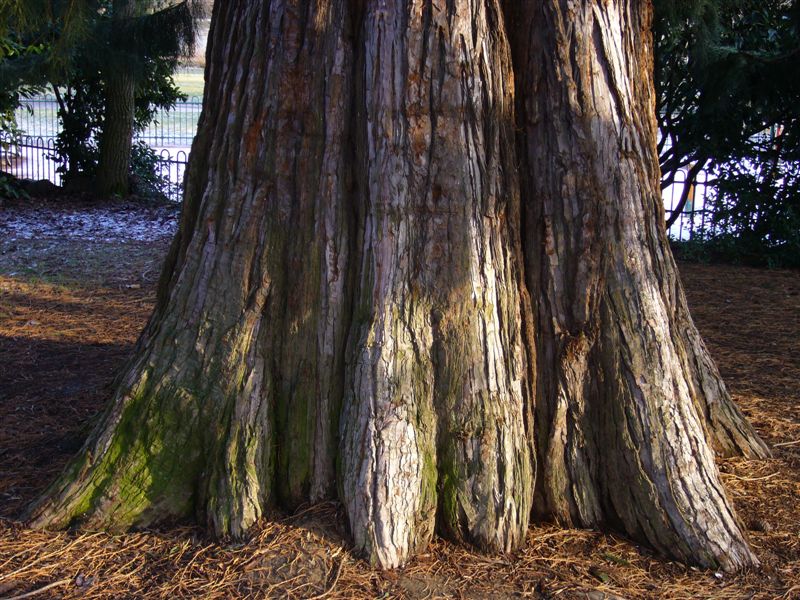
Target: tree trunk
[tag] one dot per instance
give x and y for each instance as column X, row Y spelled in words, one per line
column 237, row 381
column 116, row 137
column 345, row 309
column 440, row 374
column 624, row 377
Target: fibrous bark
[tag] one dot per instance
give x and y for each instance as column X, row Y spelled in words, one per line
column 390, row 257
column 233, row 397
column 622, row 370
column 440, row 374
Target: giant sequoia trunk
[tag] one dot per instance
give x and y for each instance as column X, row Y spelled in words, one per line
column 422, row 268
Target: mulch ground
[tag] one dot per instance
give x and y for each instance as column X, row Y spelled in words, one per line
column 68, row 323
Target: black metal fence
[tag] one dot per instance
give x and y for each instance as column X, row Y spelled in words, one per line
column 30, row 157
column 33, row 155
column 171, row 134
column 696, row 216
column 38, row 117
column 171, row 167
column 175, row 128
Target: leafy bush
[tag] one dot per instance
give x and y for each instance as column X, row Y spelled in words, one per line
column 81, row 112
column 756, row 211
column 12, row 91
column 725, row 73
column 10, row 188
column 79, row 45
column 149, row 181
column 755, row 207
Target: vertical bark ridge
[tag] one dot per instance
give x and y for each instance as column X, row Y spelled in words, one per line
column 439, row 380
column 244, row 352
column 620, row 439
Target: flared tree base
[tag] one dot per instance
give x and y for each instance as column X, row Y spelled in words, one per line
column 402, row 283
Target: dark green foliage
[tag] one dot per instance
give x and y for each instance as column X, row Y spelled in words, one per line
column 10, row 188
column 57, row 25
column 726, row 70
column 66, row 28
column 13, row 52
column 686, row 35
column 728, row 87
column 82, row 108
column 80, row 112
column 164, row 35
column 756, row 208
column 78, row 44
column 148, row 179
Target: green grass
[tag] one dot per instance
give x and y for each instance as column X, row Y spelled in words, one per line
column 190, row 81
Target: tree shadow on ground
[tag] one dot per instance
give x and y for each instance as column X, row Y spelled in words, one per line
column 49, row 392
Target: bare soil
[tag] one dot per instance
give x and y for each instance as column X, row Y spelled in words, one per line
column 70, row 312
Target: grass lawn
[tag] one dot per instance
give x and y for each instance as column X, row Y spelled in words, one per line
column 190, row 81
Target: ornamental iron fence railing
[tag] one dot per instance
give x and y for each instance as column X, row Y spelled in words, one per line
column 170, row 135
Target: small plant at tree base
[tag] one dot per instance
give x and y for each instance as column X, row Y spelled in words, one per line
column 10, row 188
column 147, row 177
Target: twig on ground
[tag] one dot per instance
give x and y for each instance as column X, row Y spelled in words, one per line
column 783, row 444
column 40, row 590
column 770, row 476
